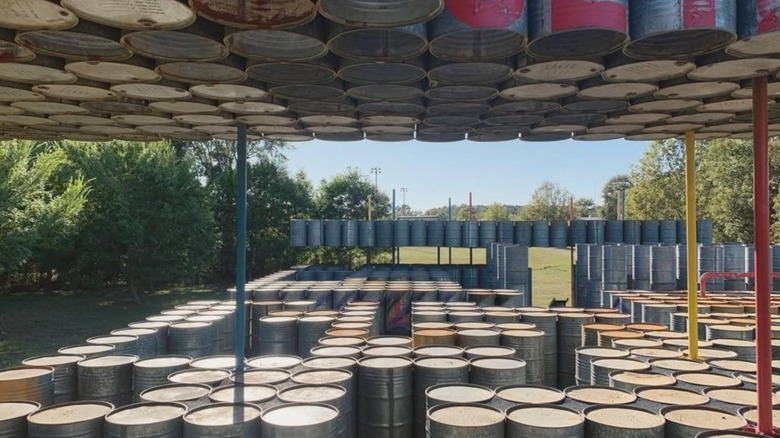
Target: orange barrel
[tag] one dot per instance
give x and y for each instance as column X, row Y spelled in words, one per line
column 434, row 337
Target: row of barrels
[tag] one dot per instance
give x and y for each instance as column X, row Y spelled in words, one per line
column 480, row 234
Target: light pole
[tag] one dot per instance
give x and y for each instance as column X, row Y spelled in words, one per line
column 376, row 171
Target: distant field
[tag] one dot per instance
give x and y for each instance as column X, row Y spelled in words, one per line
column 551, row 268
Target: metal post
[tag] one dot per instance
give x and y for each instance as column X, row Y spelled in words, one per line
column 690, row 241
column 393, row 259
column 449, row 216
column 240, row 334
column 573, row 292
column 762, row 255
column 471, row 219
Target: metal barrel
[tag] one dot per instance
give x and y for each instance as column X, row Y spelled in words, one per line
column 467, row 420
column 385, row 234
column 228, row 327
column 360, row 13
column 192, row 339
column 325, row 362
column 612, row 421
column 559, row 231
column 261, row 309
column 418, row 233
column 667, row 232
column 321, row 296
column 398, row 308
column 733, row 261
column 333, row 395
column 457, row 393
column 233, row 420
column 599, row 395
column 676, row 28
column 475, row 337
column 428, row 316
column 584, row 357
column 671, row 396
column 161, row 332
column 559, row 28
column 385, row 397
column 577, row 233
column 261, row 377
column 632, row 233
column 125, row 344
column 595, row 232
column 600, row 368
column 470, row 234
column 488, row 351
column 704, row 230
column 487, row 233
column 65, row 374
column 640, row 267
column 431, row 371
column 631, row 380
column 650, row 231
column 158, row 420
column 315, row 233
column 351, row 233
column 107, row 378
column 223, row 362
column 523, row 233
column 663, row 275
column 529, row 347
column 13, row 418
column 495, row 372
column 310, row 330
column 686, row 421
column 387, row 351
column 464, row 33
column 509, row 298
column 274, row 361
column 147, row 340
column 31, row 383
column 569, row 339
column 658, row 313
column 501, row 317
column 367, row 234
column 277, row 335
column 88, row 350
column 545, row 420
column 401, row 233
column 435, row 233
column 546, row 322
column 745, row 350
column 73, row 420
column 729, row 332
column 296, row 420
column 333, row 232
column 614, row 274
column 646, row 354
column 297, row 233
column 151, row 372
column 505, row 232
column 452, row 234
column 437, row 351
column 212, row 378
column 613, row 231
column 343, row 295
column 540, row 234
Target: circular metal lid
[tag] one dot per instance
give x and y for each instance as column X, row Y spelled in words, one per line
column 146, row 413
column 74, row 46
column 671, row 396
column 299, row 414
column 459, row 415
column 714, row 353
column 176, row 392
column 707, row 379
column 150, row 92
column 138, row 120
column 222, row 414
column 559, row 71
column 736, row 365
column 498, row 363
column 642, row 378
column 214, row 363
column 637, row 119
column 134, row 14
column 49, row 108
column 544, row 416
column 246, row 393
column 385, row 362
column 697, row 90
column 34, row 74
column 169, row 46
column 527, row 394
column 621, row 91
column 163, row 361
column 264, row 14
column 36, row 14
column 599, row 395
column 178, row 108
column 53, row 360
column 321, row 377
column 735, row 70
column 460, row 393
column 441, row 362
column 274, row 362
column 199, row 376
column 108, row 361
column 111, row 72
column 737, row 396
column 703, row 418
column 543, row 91
column 246, row 108
column 275, row 45
column 200, row 72
column 330, row 362
column 648, row 71
column 311, row 393
column 13, row 410
column 8, row 94
column 86, row 349
column 258, row 377
column 15, row 53
column 74, row 92
column 624, row 417
column 664, row 106
column 69, row 413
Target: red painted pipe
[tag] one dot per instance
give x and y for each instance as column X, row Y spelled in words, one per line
column 762, row 255
column 707, row 275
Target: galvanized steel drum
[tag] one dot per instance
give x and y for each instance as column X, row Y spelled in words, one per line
column 315, row 233
column 257, row 14
column 431, row 371
column 541, row 234
column 107, row 378
column 378, row 44
column 685, row 421
column 13, row 418
column 385, row 397
column 384, row 234
column 401, row 232
column 496, row 372
column 367, row 234
column 610, row 421
column 148, row 373
column 65, row 373
column 464, row 420
column 333, row 395
column 255, row 394
column 479, row 30
column 380, row 14
column 298, row 233
column 565, row 29
column 296, row 420
column 452, row 234
column 158, row 420
column 673, row 28
column 232, row 420
column 544, row 420
column 32, row 383
column 418, row 233
column 73, row 420
column 194, row 339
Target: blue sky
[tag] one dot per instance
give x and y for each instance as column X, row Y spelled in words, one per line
column 505, row 172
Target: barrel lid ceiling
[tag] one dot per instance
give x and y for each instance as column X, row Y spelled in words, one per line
column 392, row 70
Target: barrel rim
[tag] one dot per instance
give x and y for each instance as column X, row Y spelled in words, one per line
column 84, row 362
column 348, row 374
column 468, row 385
column 441, row 406
column 669, row 409
column 344, row 392
column 522, row 385
column 68, row 347
column 195, row 370
column 140, row 362
column 171, row 385
column 642, row 389
column 44, row 356
column 73, row 403
column 235, row 374
column 590, row 409
column 187, row 421
column 145, row 404
column 243, row 385
column 559, row 407
column 290, row 405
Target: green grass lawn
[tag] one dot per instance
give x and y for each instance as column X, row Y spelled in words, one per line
column 35, row 323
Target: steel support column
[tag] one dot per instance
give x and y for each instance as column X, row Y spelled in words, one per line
column 690, row 242
column 762, row 254
column 241, row 183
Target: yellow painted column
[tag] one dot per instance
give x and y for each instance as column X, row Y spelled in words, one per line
column 690, row 241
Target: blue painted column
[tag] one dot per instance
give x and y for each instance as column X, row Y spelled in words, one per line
column 240, row 334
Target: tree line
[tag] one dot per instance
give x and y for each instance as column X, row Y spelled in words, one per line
column 145, row 215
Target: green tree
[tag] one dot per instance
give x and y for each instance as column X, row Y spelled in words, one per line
column 658, row 182
column 495, row 212
column 39, row 210
column 345, row 196
column 585, row 207
column 549, row 201
column 147, row 219
column 610, row 194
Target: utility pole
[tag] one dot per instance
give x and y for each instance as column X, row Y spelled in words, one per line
column 376, row 171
